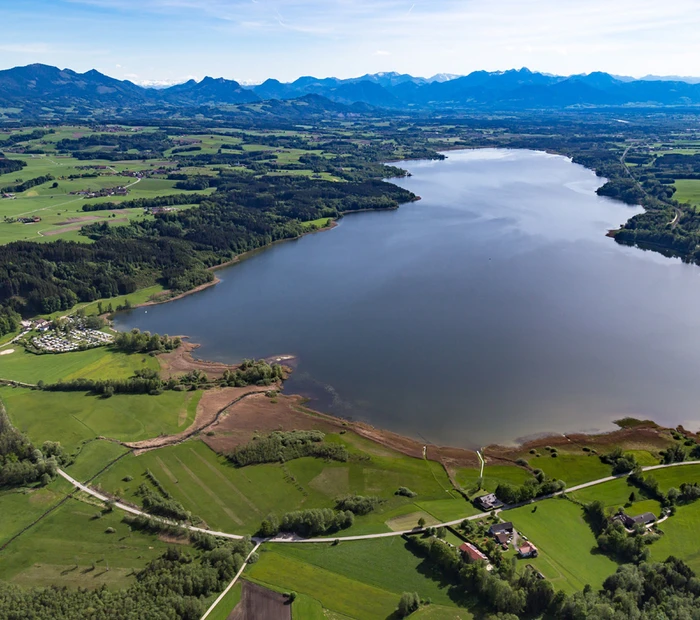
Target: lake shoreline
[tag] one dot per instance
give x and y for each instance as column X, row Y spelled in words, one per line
column 521, row 436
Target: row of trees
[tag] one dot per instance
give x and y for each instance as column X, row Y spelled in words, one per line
column 162, row 505
column 311, row 522
column 533, row 487
column 25, row 185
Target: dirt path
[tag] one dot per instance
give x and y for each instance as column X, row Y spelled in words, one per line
column 211, row 407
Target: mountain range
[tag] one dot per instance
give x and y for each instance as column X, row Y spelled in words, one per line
column 44, row 86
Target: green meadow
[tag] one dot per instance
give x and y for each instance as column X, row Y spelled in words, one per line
column 688, row 190
column 568, row 554
column 74, row 417
column 70, row 547
column 97, row 363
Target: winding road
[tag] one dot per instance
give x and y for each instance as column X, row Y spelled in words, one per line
column 292, row 538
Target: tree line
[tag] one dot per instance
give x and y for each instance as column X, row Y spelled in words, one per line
column 20, row 462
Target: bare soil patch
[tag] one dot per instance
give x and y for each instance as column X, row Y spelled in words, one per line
column 258, row 603
column 74, row 220
column 259, row 414
column 59, row 231
column 651, row 438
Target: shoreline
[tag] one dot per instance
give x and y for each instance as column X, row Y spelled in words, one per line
column 501, row 453
column 630, row 432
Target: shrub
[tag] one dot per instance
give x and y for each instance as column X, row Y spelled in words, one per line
column 406, row 492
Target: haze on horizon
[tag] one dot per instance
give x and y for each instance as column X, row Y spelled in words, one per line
column 169, row 41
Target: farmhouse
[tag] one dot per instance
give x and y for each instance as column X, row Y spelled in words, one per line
column 645, row 518
column 501, row 528
column 489, row 502
column 527, row 550
column 471, row 553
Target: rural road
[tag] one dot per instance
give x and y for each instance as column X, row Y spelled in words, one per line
column 292, row 538
column 230, row 585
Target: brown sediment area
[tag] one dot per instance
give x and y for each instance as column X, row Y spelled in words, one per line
column 644, row 436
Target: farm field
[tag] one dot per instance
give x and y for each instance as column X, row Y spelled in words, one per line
column 384, row 563
column 688, row 190
column 73, row 417
column 565, row 542
column 238, row 499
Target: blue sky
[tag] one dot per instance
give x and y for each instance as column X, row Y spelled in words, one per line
column 249, row 40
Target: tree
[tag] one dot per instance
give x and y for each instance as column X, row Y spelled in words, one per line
column 421, row 522
column 408, row 603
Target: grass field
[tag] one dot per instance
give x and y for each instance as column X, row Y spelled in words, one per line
column 675, row 476
column 98, row 363
column 224, row 608
column 93, row 457
column 61, row 548
column 335, row 592
column 571, row 468
column 20, row 507
column 680, row 537
column 568, row 554
column 307, row 608
column 688, row 190
column 493, row 476
column 383, row 563
column 72, row 417
column 439, row 612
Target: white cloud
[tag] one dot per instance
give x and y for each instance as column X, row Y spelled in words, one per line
column 25, row 48
column 382, row 53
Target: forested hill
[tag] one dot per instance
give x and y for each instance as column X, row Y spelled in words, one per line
column 176, row 248
column 35, row 89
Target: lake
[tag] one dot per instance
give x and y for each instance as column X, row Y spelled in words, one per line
column 493, row 309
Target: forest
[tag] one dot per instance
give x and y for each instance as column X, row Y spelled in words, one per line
column 175, row 249
column 172, row 586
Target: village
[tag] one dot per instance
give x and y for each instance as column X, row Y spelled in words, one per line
column 489, row 539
